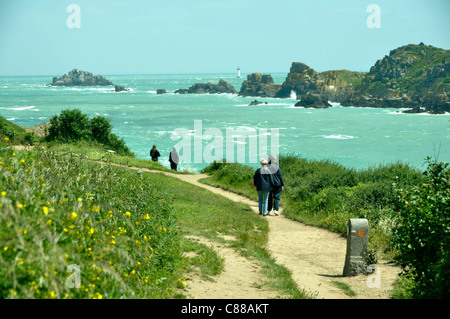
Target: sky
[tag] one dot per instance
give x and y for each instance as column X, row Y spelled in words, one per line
column 49, row 37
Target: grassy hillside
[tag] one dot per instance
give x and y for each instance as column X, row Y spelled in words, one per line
column 15, row 133
column 123, row 232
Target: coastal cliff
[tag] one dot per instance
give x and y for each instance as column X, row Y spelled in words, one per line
column 80, row 78
column 412, row 76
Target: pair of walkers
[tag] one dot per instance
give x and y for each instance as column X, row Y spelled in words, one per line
column 269, row 184
column 173, row 157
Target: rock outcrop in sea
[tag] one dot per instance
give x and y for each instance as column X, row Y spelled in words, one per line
column 209, row 88
column 80, row 78
column 258, row 84
column 313, row 100
column 119, row 88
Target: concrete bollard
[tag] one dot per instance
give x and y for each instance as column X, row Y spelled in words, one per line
column 357, row 241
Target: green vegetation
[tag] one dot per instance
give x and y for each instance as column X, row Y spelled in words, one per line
column 345, row 288
column 423, row 233
column 72, row 126
column 15, row 133
column 408, row 211
column 57, row 211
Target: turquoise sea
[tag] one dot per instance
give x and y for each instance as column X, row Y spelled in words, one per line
column 354, row 137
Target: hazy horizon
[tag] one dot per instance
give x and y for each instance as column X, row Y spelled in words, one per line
column 51, row 37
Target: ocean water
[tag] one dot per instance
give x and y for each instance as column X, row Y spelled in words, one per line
column 353, row 137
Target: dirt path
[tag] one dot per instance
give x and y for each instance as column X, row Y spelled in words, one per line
column 314, row 256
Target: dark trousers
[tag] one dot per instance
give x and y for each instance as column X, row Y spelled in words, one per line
column 274, row 199
column 173, row 166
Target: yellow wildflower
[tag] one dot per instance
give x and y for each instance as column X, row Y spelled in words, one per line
column 22, row 161
column 79, row 199
column 128, row 214
column 98, row 296
column 3, row 193
column 45, row 210
column 49, row 222
column 147, row 216
column 73, row 215
column 6, row 138
column 91, row 231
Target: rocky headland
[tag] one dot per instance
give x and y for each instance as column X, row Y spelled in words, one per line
column 209, row 88
column 416, row 77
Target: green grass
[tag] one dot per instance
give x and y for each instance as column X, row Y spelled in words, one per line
column 126, row 233
column 345, row 288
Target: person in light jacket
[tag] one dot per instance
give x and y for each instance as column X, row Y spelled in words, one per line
column 173, row 159
column 277, row 186
column 263, row 181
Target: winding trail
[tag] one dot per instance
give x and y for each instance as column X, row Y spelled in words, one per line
column 314, row 256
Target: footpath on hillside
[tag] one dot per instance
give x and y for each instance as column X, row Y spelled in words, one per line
column 314, row 256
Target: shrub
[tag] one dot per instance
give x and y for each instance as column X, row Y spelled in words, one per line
column 101, row 129
column 423, row 232
column 72, row 125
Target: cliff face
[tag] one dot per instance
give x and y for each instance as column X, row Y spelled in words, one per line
column 80, row 78
column 258, row 84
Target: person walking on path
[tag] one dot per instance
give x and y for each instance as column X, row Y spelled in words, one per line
column 263, row 182
column 174, row 159
column 154, row 154
column 277, row 186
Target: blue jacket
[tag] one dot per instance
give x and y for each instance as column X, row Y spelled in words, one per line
column 263, row 179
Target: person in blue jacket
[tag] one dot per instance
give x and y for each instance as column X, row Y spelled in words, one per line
column 277, row 186
column 263, row 182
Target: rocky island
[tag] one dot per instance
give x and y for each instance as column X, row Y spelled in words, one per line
column 209, row 88
column 83, row 78
column 80, row 78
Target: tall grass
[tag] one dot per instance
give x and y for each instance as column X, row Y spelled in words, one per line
column 56, row 211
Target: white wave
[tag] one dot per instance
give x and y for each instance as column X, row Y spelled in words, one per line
column 24, row 108
column 11, row 119
column 151, row 91
column 339, row 137
column 293, row 95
